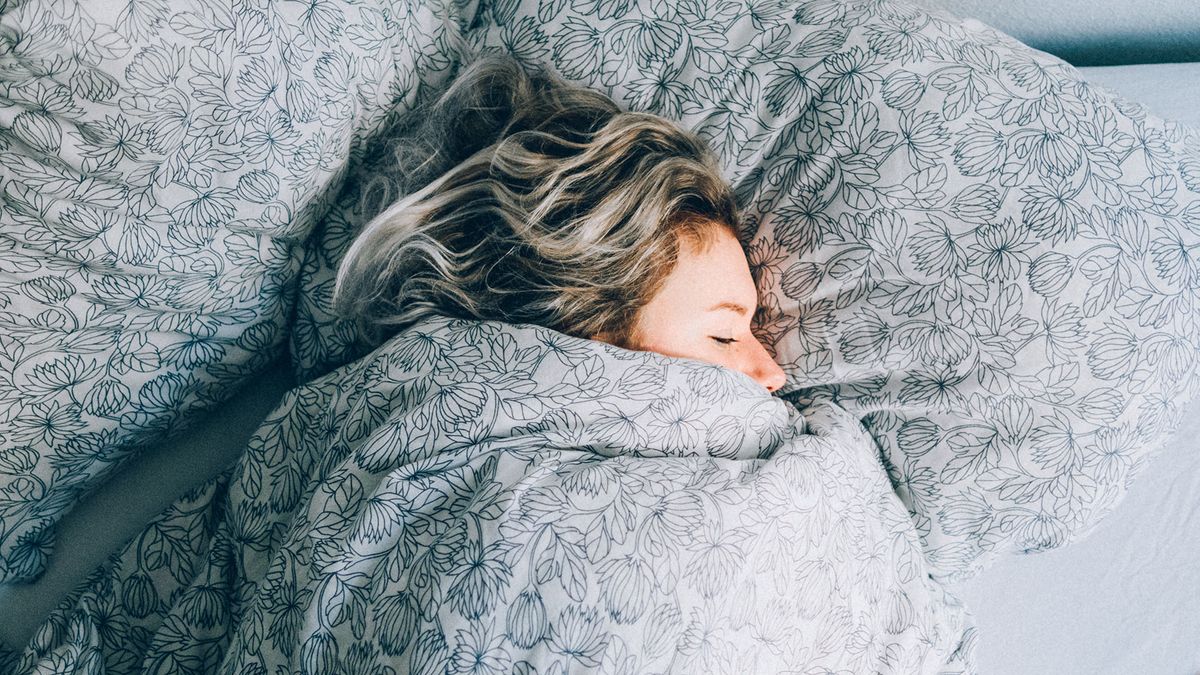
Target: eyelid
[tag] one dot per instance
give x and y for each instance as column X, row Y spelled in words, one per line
column 724, row 341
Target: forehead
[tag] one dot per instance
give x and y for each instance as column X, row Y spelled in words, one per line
column 712, row 271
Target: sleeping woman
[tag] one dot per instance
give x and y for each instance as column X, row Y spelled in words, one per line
column 572, row 215
column 563, row 456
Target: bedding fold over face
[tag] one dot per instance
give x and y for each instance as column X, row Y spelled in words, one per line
column 991, row 262
column 160, row 163
column 492, row 498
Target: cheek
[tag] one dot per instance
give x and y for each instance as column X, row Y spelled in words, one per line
column 736, row 359
column 669, row 344
column 673, row 337
column 740, row 358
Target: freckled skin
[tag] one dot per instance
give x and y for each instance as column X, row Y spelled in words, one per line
column 704, row 309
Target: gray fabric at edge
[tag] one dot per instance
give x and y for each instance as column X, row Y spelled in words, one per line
column 1093, row 32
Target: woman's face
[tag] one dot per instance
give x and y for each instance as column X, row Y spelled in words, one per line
column 704, row 308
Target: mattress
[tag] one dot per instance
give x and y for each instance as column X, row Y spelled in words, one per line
column 1119, row 601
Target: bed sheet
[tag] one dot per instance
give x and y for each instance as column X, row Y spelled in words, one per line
column 1123, row 599
column 149, row 483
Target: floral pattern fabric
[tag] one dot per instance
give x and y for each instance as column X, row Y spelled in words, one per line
column 321, row 340
column 991, row 262
column 485, row 498
column 160, row 162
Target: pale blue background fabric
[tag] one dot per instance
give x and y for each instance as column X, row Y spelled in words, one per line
column 1122, row 600
column 1094, row 32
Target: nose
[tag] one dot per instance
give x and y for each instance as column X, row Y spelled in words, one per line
column 763, row 368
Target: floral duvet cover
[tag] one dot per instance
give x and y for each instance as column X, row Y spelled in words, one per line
column 486, row 498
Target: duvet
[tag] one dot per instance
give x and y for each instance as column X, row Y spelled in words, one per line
column 480, row 498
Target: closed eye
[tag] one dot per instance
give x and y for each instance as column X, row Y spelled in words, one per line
column 724, row 341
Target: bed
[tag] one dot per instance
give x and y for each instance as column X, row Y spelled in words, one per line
column 1141, row 579
column 1121, row 600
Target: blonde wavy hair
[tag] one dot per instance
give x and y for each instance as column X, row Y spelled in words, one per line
column 541, row 203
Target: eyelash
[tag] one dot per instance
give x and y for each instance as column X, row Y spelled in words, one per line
column 724, row 341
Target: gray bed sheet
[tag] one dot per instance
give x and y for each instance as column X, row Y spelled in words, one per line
column 1126, row 599
column 101, row 524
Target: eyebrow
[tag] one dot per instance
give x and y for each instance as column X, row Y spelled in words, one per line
column 731, row 306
